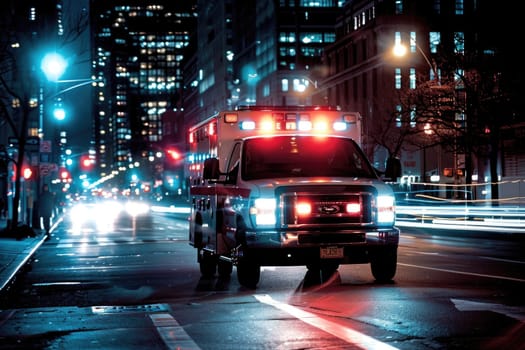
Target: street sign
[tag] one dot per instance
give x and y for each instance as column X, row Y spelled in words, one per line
column 30, row 141
column 33, row 141
column 45, row 146
column 44, row 169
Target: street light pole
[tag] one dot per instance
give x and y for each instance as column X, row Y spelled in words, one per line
column 301, row 85
column 53, row 67
column 400, row 50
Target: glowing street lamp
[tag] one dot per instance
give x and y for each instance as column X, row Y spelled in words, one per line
column 400, row 50
column 59, row 113
column 53, row 65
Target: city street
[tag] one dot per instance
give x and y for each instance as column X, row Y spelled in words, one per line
column 136, row 284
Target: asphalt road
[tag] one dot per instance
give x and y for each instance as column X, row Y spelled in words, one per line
column 136, row 284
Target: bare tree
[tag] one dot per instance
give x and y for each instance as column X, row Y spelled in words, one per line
column 22, row 42
column 477, row 95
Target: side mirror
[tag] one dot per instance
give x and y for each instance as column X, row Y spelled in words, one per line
column 393, row 169
column 211, row 169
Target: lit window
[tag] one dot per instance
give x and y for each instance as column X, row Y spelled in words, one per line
column 413, row 117
column 412, row 78
column 284, row 85
column 434, row 40
column 459, row 42
column 399, row 7
column 413, row 43
column 398, row 116
column 397, row 38
column 398, row 78
column 459, row 7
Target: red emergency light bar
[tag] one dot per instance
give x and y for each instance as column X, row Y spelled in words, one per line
column 291, row 121
column 282, row 119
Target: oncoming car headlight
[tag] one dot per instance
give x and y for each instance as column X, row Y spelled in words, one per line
column 262, row 212
column 386, row 210
column 135, row 208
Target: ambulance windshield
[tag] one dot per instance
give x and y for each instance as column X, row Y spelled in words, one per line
column 303, row 156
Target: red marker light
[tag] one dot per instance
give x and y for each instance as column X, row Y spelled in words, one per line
column 211, row 129
column 353, row 208
column 303, row 208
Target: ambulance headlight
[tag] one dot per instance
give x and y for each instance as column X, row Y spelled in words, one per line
column 385, row 210
column 262, row 212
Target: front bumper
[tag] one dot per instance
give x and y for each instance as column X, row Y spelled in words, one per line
column 304, row 247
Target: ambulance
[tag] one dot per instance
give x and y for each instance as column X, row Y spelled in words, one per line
column 287, row 186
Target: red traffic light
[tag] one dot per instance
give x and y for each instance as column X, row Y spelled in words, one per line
column 65, row 175
column 173, row 154
column 86, row 162
column 27, row 172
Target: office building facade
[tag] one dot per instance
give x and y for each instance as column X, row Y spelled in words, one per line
column 137, row 50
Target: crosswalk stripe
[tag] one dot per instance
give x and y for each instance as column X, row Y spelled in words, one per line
column 173, row 335
column 349, row 335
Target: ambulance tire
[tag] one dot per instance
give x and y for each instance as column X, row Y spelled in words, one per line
column 224, row 268
column 383, row 263
column 208, row 264
column 248, row 273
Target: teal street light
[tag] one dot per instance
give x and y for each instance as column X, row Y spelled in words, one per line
column 53, row 65
column 59, row 113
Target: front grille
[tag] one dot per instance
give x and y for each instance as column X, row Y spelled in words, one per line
column 328, row 206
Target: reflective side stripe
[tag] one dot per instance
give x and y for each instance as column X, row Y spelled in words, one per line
column 220, row 191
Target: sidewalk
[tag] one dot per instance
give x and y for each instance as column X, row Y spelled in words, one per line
column 15, row 253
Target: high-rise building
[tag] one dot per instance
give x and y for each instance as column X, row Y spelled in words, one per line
column 449, row 108
column 258, row 52
column 138, row 50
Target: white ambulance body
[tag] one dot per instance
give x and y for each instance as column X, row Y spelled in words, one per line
column 275, row 186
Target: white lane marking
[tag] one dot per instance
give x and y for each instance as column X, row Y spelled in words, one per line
column 503, row 260
column 470, row 225
column 347, row 334
column 173, row 335
column 463, row 272
column 517, row 313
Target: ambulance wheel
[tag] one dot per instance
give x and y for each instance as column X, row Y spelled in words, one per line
column 225, row 268
column 248, row 273
column 384, row 263
column 207, row 263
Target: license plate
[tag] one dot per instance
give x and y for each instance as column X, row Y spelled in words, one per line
column 331, row 252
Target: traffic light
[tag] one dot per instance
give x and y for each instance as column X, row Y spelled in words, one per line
column 27, row 172
column 65, row 175
column 172, row 158
column 173, row 154
column 86, row 162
